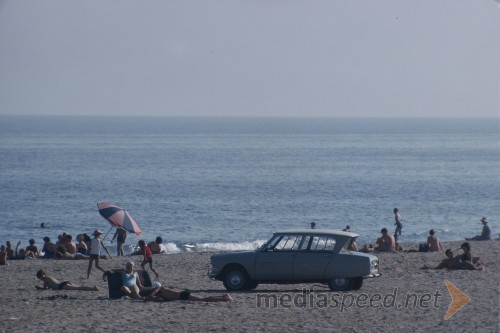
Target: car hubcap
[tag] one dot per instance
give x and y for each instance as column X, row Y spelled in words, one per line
column 235, row 279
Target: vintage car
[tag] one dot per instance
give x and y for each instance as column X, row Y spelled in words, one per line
column 297, row 256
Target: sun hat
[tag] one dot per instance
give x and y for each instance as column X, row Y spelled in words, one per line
column 97, row 232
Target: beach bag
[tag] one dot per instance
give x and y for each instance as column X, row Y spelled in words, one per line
column 423, row 247
column 115, row 283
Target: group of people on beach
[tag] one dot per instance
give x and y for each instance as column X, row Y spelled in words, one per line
column 389, row 243
column 90, row 248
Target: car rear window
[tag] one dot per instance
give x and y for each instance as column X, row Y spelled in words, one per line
column 322, row 243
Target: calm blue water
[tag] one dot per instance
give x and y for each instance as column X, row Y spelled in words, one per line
column 228, row 183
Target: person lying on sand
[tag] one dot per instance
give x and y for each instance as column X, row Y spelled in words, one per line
column 132, row 286
column 167, row 294
column 463, row 261
column 50, row 282
column 449, row 263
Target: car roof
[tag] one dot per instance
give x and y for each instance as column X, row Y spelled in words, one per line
column 325, row 232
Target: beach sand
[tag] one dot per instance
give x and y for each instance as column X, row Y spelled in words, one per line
column 24, row 309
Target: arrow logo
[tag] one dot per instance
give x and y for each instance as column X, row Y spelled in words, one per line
column 458, row 299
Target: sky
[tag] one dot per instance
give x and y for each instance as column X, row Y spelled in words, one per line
column 299, row 58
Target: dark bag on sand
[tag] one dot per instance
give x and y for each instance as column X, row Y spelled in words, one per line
column 423, row 248
column 115, row 283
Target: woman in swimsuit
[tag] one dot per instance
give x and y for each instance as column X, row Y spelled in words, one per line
column 50, row 282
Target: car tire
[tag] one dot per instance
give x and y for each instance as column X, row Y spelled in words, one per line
column 235, row 279
column 340, row 284
column 252, row 285
column 357, row 283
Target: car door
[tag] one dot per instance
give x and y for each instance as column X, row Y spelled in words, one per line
column 275, row 262
column 312, row 258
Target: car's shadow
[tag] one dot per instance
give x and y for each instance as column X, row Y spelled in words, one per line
column 309, row 289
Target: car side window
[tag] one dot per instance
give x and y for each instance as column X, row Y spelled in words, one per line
column 322, row 243
column 305, row 243
column 288, row 243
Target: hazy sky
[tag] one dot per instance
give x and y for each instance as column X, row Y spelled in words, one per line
column 253, row 57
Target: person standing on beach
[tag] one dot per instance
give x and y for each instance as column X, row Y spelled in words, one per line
column 95, row 249
column 148, row 257
column 433, row 242
column 120, row 235
column 398, row 221
column 3, row 255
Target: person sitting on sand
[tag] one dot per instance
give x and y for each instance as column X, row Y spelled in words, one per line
column 50, row 282
column 433, row 242
column 81, row 247
column 485, row 233
column 10, row 251
column 62, row 254
column 49, row 248
column 166, row 294
column 22, row 253
column 69, row 245
column 33, row 248
column 466, row 259
column 3, row 255
column 386, row 243
column 155, row 246
column 131, row 283
column 450, row 262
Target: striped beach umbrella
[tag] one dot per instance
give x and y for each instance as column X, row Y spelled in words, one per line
column 118, row 217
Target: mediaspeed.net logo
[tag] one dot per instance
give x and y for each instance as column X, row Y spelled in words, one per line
column 345, row 301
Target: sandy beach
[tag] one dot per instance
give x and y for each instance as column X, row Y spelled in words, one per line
column 300, row 307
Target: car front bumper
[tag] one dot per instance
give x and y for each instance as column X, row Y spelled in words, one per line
column 371, row 276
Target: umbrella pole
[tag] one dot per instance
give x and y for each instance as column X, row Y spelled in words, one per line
column 107, row 233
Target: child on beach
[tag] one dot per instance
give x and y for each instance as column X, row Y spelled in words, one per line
column 95, row 249
column 148, row 257
column 50, row 282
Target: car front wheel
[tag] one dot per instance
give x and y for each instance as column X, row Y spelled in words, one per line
column 235, row 279
column 340, row 284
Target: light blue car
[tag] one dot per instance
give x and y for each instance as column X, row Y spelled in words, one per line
column 297, row 256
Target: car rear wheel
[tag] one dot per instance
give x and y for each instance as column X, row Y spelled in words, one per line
column 235, row 279
column 340, row 284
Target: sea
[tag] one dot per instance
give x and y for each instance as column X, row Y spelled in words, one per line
column 223, row 183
